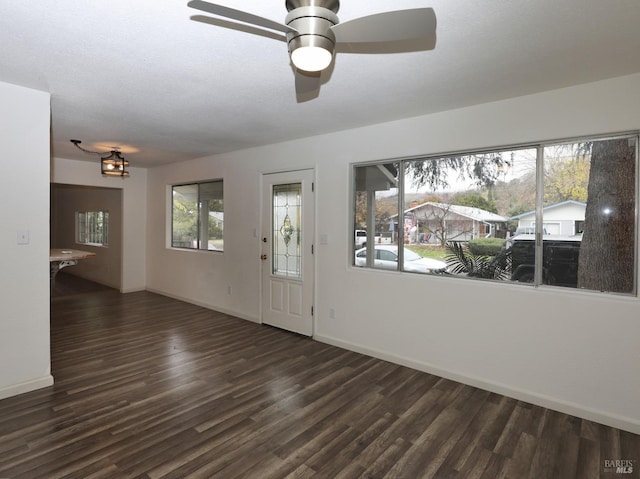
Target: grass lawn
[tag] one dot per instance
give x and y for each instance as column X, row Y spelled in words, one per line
column 428, row 251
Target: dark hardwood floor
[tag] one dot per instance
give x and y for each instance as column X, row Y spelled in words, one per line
column 67, row 284
column 150, row 387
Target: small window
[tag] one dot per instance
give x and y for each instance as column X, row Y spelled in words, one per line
column 92, row 228
column 198, row 216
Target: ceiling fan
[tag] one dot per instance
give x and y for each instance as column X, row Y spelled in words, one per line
column 314, row 33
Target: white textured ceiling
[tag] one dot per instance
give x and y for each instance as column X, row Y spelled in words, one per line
column 143, row 74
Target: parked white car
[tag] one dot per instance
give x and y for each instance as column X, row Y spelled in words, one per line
column 387, row 258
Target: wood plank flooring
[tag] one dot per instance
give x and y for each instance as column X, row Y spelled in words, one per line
column 67, row 284
column 149, row 387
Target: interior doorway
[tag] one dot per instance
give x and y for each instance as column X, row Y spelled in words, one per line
column 67, row 201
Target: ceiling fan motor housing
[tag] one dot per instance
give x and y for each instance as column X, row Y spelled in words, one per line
column 333, row 5
column 313, row 24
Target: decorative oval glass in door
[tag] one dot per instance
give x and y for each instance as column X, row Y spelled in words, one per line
column 286, row 257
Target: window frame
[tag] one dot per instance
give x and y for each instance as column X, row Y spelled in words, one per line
column 198, row 239
column 84, row 225
column 539, row 146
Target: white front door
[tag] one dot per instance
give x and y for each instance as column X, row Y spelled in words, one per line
column 287, row 250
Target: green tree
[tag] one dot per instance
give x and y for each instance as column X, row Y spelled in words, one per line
column 566, row 178
column 185, row 219
column 433, row 199
column 384, row 209
column 475, row 200
column 485, row 169
column 516, row 196
column 214, row 228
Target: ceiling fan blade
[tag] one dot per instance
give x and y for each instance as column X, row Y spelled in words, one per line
column 238, row 26
column 239, row 15
column 307, row 85
column 396, row 26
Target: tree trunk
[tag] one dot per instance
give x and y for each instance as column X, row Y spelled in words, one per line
column 607, row 259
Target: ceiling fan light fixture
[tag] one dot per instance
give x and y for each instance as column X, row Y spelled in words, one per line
column 311, row 42
column 311, row 58
column 312, row 30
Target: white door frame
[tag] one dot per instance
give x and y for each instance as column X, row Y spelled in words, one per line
column 288, row 303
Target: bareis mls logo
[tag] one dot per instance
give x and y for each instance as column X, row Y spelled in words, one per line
column 619, row 466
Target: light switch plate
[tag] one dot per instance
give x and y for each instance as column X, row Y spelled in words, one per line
column 23, row 237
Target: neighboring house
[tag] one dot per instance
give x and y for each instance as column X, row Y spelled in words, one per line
column 435, row 223
column 564, row 218
column 217, row 217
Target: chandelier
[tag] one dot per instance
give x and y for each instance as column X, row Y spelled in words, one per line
column 112, row 163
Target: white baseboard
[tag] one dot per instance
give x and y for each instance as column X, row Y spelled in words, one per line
column 27, row 386
column 205, row 305
column 132, row 290
column 573, row 409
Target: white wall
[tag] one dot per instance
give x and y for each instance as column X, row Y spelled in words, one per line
column 203, row 277
column 582, row 358
column 134, row 210
column 24, row 275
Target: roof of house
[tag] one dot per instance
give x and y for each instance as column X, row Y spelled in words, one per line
column 550, row 207
column 471, row 212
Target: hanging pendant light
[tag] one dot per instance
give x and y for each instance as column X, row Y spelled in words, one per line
column 114, row 164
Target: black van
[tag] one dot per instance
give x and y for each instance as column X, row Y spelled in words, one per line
column 559, row 259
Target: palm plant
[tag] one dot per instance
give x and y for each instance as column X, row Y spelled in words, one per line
column 461, row 260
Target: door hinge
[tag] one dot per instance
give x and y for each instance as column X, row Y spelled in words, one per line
column 312, row 249
column 313, row 187
column 311, row 310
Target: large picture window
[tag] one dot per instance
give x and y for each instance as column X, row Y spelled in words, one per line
column 557, row 214
column 198, row 216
